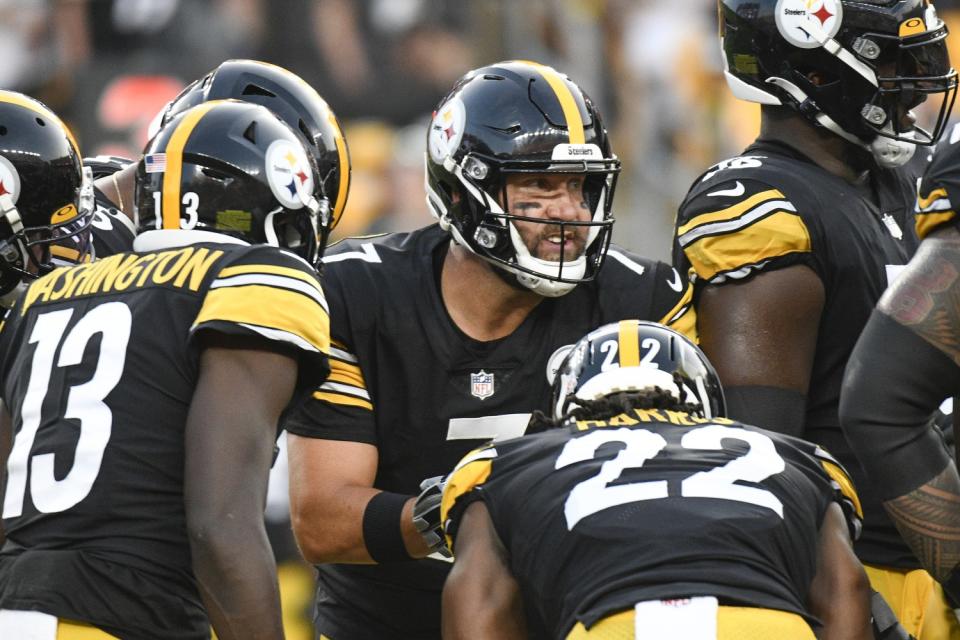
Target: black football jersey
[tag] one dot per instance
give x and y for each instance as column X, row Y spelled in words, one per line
column 404, row 378
column 601, row 515
column 939, row 186
column 99, row 365
column 111, row 230
column 771, row 208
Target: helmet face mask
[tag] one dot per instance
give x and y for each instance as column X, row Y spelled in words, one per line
column 856, row 69
column 295, row 103
column 636, row 356
column 504, row 122
column 234, row 169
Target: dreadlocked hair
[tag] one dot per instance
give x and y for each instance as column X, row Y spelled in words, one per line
column 615, row 404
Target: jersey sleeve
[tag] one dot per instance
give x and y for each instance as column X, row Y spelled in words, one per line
column 674, row 293
column 339, row 407
column 270, row 294
column 938, row 188
column 827, row 471
column 111, row 230
column 464, row 486
column 736, row 228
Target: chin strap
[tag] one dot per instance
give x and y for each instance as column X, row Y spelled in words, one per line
column 887, row 152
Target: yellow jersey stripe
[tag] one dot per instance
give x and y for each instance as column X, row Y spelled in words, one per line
column 927, row 223
column 683, row 318
column 174, row 170
column 463, row 480
column 846, row 484
column 343, row 399
column 571, row 112
column 64, row 252
column 270, row 269
column 11, row 97
column 776, row 235
column 629, row 343
column 730, row 212
column 926, row 203
column 346, row 377
column 344, row 366
column 269, row 307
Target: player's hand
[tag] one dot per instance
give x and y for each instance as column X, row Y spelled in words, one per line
column 426, row 515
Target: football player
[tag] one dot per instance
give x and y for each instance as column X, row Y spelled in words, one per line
column 42, row 184
column 288, row 96
column 440, row 336
column 113, row 228
column 906, row 362
column 643, row 512
column 145, row 390
column 791, row 244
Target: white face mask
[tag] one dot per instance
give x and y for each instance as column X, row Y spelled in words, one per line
column 890, row 153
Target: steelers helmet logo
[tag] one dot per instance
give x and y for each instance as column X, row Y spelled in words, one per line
column 808, row 23
column 9, row 179
column 288, row 174
column 555, row 360
column 446, row 130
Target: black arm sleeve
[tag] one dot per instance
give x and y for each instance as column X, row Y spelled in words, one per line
column 893, row 383
column 772, row 408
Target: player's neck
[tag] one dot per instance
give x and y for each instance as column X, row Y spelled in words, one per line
column 478, row 301
column 827, row 150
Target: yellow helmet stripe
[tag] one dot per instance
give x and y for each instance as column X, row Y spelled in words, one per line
column 22, row 101
column 629, row 343
column 174, row 170
column 571, row 113
column 344, row 187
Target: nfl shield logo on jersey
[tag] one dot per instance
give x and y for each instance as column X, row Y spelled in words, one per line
column 481, row 384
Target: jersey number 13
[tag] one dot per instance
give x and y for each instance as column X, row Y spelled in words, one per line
column 85, row 404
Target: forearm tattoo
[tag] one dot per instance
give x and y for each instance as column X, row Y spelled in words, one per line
column 926, row 297
column 928, row 518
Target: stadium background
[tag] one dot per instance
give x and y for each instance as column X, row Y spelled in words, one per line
column 653, row 67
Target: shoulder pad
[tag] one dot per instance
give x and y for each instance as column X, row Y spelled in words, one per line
column 252, row 283
column 732, row 227
column 937, row 187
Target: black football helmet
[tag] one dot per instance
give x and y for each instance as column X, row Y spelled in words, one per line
column 875, row 59
column 633, row 355
column 232, row 168
column 296, row 103
column 104, row 166
column 512, row 118
column 46, row 196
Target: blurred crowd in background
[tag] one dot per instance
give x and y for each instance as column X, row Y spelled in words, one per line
column 107, row 66
column 652, row 66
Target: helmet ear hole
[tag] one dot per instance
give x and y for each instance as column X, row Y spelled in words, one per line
column 251, row 132
column 257, row 90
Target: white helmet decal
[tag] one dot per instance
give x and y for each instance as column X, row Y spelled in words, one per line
column 9, row 180
column 446, row 129
column 808, row 23
column 289, row 174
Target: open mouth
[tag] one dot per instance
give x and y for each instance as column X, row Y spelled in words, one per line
column 555, row 245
